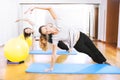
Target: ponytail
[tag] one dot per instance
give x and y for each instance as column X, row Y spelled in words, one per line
column 43, row 42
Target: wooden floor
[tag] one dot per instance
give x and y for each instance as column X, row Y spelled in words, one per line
column 17, row 71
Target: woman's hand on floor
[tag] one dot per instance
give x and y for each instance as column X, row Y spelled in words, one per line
column 70, row 50
column 49, row 70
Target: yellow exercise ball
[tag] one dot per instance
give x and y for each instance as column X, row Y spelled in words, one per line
column 28, row 40
column 16, row 50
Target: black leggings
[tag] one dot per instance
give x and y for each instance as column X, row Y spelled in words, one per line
column 85, row 45
column 62, row 45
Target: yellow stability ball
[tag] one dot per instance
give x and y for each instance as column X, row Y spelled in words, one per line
column 16, row 50
column 28, row 40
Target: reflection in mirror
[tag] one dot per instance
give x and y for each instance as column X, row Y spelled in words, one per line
column 81, row 16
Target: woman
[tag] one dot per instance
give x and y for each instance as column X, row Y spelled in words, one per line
column 72, row 37
column 28, row 32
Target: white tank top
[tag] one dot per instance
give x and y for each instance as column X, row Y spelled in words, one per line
column 69, row 35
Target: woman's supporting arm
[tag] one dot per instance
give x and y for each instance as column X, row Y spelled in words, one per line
column 53, row 58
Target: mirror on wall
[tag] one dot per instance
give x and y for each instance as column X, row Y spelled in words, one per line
column 82, row 16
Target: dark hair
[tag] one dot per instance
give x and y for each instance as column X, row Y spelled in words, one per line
column 40, row 29
column 26, row 35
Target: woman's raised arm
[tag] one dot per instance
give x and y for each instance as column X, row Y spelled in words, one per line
column 26, row 20
column 48, row 9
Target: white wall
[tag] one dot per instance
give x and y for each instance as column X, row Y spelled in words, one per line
column 118, row 45
column 92, row 21
column 8, row 15
column 102, row 20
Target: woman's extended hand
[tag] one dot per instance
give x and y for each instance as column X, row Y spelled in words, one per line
column 30, row 10
column 70, row 50
column 17, row 20
column 49, row 70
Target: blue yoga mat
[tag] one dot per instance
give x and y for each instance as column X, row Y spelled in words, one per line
column 74, row 69
column 49, row 52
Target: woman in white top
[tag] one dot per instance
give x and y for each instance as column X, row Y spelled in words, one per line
column 72, row 37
